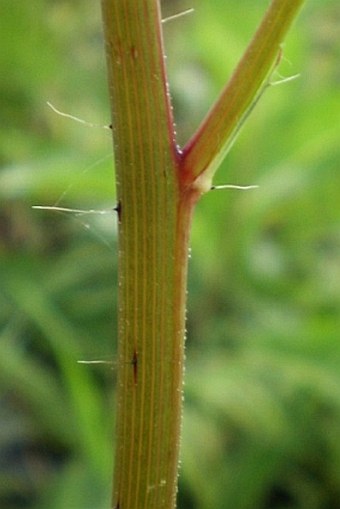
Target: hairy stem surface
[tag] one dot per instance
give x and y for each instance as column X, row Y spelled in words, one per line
column 157, row 188
column 154, row 221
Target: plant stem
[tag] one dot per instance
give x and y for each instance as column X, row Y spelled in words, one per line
column 157, row 188
column 210, row 144
column 154, row 224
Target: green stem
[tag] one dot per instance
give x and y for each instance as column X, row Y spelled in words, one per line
column 157, row 188
column 210, row 144
column 154, row 224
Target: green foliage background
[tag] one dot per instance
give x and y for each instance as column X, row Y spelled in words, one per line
column 262, row 397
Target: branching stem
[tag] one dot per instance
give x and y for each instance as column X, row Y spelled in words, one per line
column 157, row 189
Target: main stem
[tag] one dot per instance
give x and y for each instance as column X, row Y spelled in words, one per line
column 154, row 220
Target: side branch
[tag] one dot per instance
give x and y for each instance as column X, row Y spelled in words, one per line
column 209, row 145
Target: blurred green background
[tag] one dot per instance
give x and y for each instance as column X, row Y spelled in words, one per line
column 262, row 395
